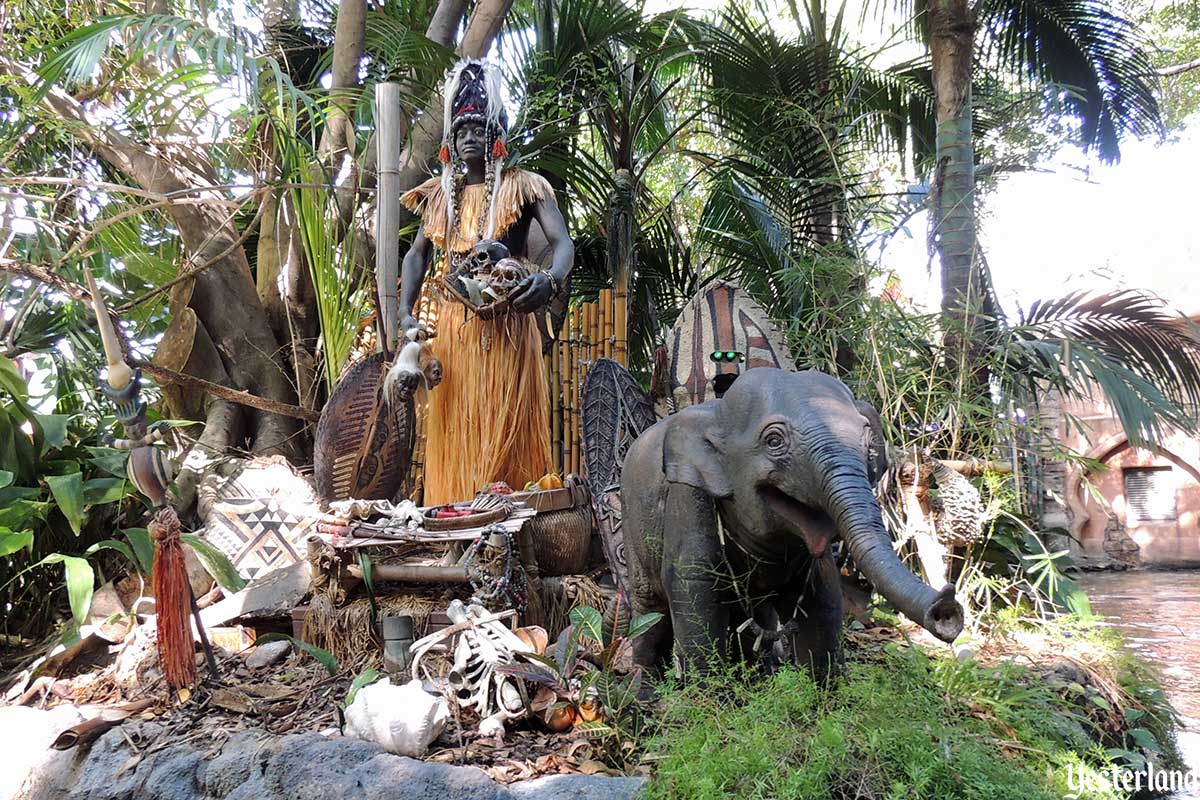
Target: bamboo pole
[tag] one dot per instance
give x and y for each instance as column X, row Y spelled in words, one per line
column 568, row 392
column 601, row 313
column 621, row 324
column 621, row 348
column 585, row 355
column 606, row 321
column 610, row 336
column 556, row 408
column 387, row 210
column 577, row 387
column 580, row 375
column 610, row 333
column 589, row 321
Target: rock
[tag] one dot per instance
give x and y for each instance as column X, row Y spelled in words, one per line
column 267, row 654
column 578, row 787
column 25, row 737
column 252, row 765
column 274, row 594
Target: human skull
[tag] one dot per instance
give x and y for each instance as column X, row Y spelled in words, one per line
column 485, row 255
column 506, row 274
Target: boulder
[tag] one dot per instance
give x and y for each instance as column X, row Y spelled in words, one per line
column 252, row 765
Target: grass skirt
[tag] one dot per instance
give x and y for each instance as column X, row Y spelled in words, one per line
column 489, row 419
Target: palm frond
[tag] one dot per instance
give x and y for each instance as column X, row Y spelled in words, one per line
column 1095, row 59
column 76, row 57
column 1144, row 360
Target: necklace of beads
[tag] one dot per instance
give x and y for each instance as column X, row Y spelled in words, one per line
column 506, row 589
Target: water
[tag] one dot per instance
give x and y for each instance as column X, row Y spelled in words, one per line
column 1159, row 613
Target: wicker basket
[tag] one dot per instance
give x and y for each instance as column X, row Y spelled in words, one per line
column 562, row 530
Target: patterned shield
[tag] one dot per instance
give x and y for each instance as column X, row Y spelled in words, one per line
column 720, row 318
column 615, row 412
column 363, row 449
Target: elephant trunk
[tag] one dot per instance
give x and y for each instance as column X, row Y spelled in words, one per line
column 851, row 503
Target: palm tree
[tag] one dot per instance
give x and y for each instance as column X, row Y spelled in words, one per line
column 793, row 118
column 605, row 84
column 1080, row 54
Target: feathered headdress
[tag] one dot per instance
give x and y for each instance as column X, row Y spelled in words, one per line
column 473, row 93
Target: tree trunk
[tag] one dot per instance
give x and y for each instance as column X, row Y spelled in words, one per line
column 952, row 48
column 224, row 296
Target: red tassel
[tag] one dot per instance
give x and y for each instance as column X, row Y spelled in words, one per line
column 444, row 153
column 499, row 150
column 172, row 599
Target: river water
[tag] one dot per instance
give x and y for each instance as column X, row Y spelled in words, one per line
column 1159, row 613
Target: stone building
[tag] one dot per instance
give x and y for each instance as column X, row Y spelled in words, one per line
column 1140, row 508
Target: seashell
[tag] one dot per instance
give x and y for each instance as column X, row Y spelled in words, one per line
column 535, row 637
column 403, row 719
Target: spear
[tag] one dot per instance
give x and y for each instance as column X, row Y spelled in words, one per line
column 149, row 470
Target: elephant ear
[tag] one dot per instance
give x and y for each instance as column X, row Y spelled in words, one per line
column 877, row 459
column 692, row 453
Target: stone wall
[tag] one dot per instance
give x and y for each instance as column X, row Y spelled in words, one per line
column 252, row 765
column 1092, row 504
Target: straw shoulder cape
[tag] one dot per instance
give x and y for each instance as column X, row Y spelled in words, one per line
column 489, row 418
column 518, row 189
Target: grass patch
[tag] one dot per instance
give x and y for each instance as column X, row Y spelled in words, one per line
column 904, row 724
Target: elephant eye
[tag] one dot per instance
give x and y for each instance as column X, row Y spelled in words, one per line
column 775, row 439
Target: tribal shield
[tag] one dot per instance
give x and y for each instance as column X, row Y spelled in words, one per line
column 363, row 448
column 615, row 412
column 720, row 319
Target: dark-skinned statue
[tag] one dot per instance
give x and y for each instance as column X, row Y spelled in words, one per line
column 731, row 511
column 489, row 418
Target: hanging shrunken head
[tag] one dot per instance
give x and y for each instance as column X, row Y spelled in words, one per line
column 475, row 128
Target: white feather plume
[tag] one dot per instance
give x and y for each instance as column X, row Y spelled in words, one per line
column 494, row 87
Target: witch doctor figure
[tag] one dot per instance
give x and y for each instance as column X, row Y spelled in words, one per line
column 489, row 418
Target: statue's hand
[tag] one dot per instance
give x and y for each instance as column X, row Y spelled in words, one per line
column 408, row 323
column 532, row 293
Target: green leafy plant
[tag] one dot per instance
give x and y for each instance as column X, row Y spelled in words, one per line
column 579, row 677
column 60, row 491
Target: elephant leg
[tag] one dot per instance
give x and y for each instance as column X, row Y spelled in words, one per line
column 818, row 642
column 694, row 573
column 652, row 648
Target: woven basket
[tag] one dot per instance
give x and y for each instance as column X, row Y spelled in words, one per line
column 562, row 538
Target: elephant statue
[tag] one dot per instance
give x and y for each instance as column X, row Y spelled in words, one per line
column 731, row 507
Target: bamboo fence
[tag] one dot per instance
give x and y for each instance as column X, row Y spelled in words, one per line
column 591, row 331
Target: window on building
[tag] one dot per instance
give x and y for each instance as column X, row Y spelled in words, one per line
column 1149, row 495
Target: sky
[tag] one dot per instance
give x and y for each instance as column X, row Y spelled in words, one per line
column 1079, row 225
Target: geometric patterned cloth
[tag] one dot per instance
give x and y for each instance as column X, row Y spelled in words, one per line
column 257, row 534
column 259, row 512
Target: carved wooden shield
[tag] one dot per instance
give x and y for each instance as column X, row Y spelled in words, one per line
column 722, row 317
column 363, row 449
column 615, row 412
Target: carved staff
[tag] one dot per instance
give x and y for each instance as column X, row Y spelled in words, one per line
column 150, row 471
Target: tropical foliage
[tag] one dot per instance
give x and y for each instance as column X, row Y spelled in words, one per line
column 214, row 166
